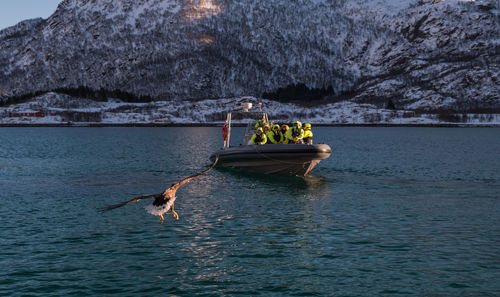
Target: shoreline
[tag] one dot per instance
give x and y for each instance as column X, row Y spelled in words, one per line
column 101, row 125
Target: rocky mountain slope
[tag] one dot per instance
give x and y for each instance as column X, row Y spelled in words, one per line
column 420, row 54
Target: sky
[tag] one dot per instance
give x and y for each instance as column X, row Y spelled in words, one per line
column 14, row 11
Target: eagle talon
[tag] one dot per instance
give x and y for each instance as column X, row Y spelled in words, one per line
column 161, row 218
column 176, row 216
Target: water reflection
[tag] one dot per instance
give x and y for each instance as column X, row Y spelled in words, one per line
column 246, row 221
column 312, row 185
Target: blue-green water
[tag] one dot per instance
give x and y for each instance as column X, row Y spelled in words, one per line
column 394, row 211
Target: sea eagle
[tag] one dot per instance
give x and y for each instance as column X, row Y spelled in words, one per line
column 165, row 201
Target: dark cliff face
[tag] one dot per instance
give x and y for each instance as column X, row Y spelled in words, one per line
column 443, row 55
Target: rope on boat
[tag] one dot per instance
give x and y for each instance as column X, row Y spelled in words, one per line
column 276, row 160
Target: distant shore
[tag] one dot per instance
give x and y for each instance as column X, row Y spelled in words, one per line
column 101, row 125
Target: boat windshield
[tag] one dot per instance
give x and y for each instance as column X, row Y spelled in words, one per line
column 254, row 120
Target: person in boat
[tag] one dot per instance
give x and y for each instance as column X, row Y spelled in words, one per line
column 259, row 137
column 275, row 136
column 261, row 123
column 308, row 135
column 296, row 133
column 267, row 129
column 284, row 129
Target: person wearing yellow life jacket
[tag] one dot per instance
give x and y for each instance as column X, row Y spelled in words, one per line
column 261, row 123
column 275, row 135
column 266, row 129
column 296, row 133
column 308, row 135
column 284, row 129
column 259, row 137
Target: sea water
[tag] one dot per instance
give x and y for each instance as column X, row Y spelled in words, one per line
column 393, row 211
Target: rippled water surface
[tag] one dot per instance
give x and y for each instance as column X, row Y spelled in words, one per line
column 394, row 211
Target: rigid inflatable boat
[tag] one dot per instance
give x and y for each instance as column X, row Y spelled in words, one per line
column 289, row 159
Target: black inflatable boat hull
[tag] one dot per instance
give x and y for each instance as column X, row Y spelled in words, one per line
column 290, row 159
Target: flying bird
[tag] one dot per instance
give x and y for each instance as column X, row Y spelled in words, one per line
column 165, row 201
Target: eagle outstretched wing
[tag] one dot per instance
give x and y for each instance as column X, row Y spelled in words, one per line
column 170, row 192
column 136, row 199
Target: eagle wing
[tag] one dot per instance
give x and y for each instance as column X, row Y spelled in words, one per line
column 133, row 200
column 170, row 192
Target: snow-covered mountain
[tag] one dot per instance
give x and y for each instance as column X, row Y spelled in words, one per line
column 420, row 54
